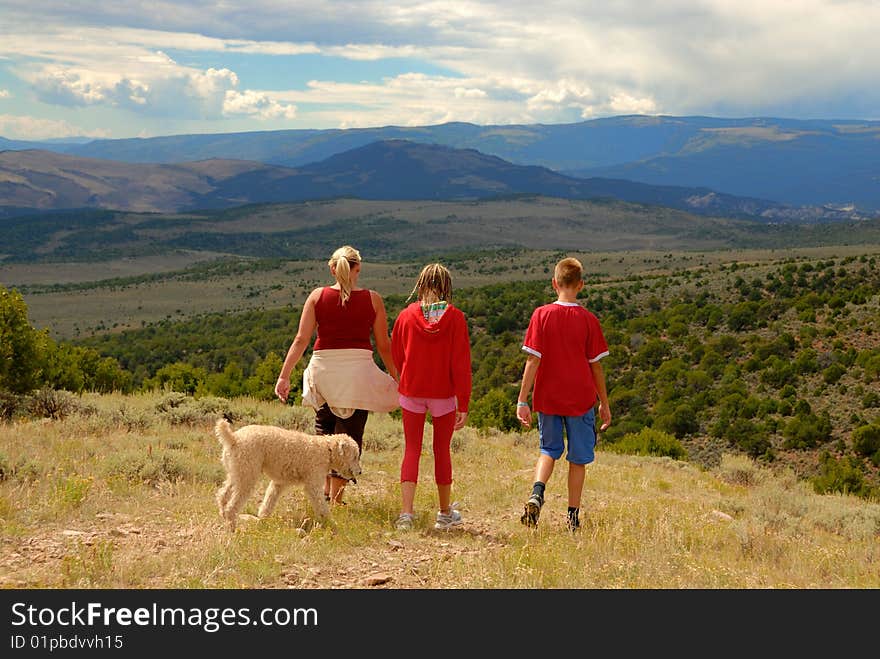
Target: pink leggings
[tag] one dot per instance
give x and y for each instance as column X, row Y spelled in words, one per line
column 413, row 433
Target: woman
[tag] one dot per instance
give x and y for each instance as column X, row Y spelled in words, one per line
column 342, row 382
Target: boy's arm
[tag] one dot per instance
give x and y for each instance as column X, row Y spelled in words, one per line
column 524, row 412
column 604, row 408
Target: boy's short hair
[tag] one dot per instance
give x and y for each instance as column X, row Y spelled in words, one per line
column 568, row 272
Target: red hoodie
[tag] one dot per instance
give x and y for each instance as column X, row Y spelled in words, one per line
column 434, row 361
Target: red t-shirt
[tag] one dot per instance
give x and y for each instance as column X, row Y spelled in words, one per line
column 567, row 338
column 348, row 326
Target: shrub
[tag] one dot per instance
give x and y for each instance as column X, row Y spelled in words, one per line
column 680, row 422
column 23, row 470
column 844, row 476
column 739, row 470
column 748, row 436
column 866, row 440
column 742, row 316
column 72, row 490
column 496, row 409
column 623, row 401
column 806, row 431
column 154, row 466
column 48, row 403
column 649, row 441
column 10, row 405
column 652, row 354
column 833, row 373
column 622, row 427
column 180, row 409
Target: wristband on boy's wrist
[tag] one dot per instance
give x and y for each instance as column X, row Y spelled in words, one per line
column 521, row 403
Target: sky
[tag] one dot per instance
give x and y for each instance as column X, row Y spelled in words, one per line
column 143, row 68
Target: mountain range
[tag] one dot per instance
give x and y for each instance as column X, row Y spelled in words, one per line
column 33, row 180
column 821, row 163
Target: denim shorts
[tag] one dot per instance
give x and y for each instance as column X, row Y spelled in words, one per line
column 580, row 431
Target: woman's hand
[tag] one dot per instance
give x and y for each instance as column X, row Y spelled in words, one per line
column 282, row 388
column 460, row 420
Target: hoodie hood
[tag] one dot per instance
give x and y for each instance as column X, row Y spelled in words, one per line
column 438, row 328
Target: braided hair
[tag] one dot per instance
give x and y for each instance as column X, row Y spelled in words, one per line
column 434, row 284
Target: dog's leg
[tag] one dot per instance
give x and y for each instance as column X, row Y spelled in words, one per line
column 233, row 505
column 223, row 495
column 273, row 491
column 243, row 484
column 315, row 494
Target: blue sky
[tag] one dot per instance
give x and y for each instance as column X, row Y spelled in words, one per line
column 145, row 68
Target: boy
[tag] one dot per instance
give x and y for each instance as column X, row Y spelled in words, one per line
column 564, row 343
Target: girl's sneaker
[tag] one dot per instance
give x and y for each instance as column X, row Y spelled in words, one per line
column 446, row 521
column 404, row 522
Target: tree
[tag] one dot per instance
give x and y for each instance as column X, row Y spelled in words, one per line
column 496, row 409
column 680, row 422
column 866, row 440
column 262, row 383
column 21, row 346
column 179, row 376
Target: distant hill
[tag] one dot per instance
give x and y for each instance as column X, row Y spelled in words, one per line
column 45, row 180
column 838, row 168
column 792, row 162
column 385, row 170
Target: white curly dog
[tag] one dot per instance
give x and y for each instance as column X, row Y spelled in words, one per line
column 286, row 457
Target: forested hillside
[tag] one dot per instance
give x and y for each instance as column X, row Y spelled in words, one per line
column 779, row 361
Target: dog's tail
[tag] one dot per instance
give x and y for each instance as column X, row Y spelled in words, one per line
column 223, row 430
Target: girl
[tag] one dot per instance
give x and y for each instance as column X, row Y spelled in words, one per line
column 431, row 350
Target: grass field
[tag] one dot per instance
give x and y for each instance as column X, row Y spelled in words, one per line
column 79, row 299
column 119, row 494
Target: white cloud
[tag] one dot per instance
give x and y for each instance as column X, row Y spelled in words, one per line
column 4, row 93
column 256, row 104
column 622, row 103
column 178, row 92
column 507, row 61
column 562, row 94
column 32, row 128
column 465, row 92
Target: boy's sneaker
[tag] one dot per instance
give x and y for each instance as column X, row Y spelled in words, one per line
column 532, row 512
column 446, row 521
column 404, row 522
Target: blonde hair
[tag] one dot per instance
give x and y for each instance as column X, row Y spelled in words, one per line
column 434, row 284
column 568, row 272
column 341, row 263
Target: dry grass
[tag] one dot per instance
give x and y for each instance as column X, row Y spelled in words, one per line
column 120, row 495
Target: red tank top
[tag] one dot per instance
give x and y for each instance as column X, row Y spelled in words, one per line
column 344, row 327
